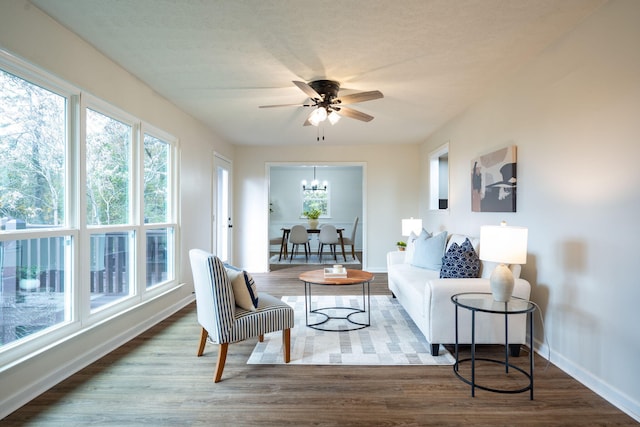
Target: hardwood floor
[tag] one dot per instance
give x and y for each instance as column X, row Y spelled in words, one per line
column 156, row 379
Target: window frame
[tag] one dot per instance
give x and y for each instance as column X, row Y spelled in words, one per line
column 171, row 221
column 439, row 178
column 87, row 230
column 75, row 229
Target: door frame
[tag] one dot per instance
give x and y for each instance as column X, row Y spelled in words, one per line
column 363, row 223
column 221, row 161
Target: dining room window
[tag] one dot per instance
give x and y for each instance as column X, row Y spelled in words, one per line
column 316, row 199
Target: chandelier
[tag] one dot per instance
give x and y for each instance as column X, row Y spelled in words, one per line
column 315, row 184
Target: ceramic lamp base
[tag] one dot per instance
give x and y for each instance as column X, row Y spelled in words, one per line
column 502, row 283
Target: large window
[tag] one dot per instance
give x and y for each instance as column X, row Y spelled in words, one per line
column 108, row 160
column 33, row 143
column 159, row 231
column 87, row 209
column 33, row 146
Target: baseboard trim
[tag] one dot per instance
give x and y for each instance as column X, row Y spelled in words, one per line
column 595, row 384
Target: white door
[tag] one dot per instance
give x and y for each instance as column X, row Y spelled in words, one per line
column 222, row 225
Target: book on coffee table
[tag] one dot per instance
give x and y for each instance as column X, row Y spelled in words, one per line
column 335, row 272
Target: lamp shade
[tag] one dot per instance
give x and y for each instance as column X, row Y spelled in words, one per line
column 409, row 225
column 503, row 244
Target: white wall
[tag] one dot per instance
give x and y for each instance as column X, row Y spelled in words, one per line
column 28, row 33
column 391, row 186
column 574, row 114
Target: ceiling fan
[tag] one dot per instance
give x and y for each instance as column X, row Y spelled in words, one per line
column 323, row 95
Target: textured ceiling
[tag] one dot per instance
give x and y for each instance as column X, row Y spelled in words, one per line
column 220, row 59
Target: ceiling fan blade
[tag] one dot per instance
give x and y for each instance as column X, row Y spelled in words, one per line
column 282, row 105
column 354, row 114
column 359, row 97
column 308, row 90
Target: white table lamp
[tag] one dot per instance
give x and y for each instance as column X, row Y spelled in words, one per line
column 411, row 224
column 505, row 245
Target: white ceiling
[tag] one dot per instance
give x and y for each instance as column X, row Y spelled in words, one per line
column 220, row 59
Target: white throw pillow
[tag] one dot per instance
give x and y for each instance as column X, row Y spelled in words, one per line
column 244, row 289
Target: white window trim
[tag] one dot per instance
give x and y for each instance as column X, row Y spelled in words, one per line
column 75, row 227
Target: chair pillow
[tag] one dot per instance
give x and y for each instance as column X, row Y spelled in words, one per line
column 460, row 262
column 428, row 253
column 244, row 288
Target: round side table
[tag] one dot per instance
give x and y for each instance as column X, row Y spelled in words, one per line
column 484, row 303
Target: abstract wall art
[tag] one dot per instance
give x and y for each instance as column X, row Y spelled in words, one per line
column 494, row 181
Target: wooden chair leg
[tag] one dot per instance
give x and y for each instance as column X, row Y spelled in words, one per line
column 222, row 358
column 286, row 345
column 203, row 341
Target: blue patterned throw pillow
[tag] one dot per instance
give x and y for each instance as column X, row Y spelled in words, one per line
column 460, row 262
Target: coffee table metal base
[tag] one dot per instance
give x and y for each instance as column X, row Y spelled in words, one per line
column 366, row 307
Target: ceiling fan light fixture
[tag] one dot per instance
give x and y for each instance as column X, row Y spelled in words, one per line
column 318, row 115
column 334, row 117
column 323, row 96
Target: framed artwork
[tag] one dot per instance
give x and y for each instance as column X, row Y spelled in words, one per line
column 494, row 181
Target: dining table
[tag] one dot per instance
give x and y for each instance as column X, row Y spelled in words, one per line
column 285, row 239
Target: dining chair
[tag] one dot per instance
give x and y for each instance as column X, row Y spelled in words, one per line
column 299, row 236
column 222, row 321
column 281, row 242
column 328, row 236
column 351, row 240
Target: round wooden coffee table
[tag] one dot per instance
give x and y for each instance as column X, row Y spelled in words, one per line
column 354, row 277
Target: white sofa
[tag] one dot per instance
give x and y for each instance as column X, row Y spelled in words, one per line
column 427, row 300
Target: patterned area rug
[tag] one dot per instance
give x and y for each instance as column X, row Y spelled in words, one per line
column 327, row 259
column 392, row 338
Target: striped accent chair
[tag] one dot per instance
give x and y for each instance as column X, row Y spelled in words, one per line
column 222, row 321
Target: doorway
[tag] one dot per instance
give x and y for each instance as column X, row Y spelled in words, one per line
column 222, row 224
column 344, row 184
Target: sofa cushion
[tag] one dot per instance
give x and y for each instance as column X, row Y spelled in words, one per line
column 460, row 261
column 428, row 253
column 411, row 282
column 411, row 244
